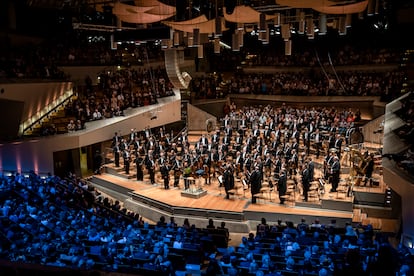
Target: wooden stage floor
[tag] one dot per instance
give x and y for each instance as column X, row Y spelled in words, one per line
column 154, row 200
column 238, row 209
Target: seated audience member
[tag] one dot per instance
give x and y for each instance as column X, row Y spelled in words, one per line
column 210, row 224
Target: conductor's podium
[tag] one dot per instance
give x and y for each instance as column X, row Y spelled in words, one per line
column 194, row 189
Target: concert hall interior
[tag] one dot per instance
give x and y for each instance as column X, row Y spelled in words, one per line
column 206, row 137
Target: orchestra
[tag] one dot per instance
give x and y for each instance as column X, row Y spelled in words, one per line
column 250, row 145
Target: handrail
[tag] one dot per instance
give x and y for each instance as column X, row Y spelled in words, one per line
column 179, row 133
column 48, row 113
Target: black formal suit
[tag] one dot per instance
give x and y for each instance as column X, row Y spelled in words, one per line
column 127, row 160
column 255, row 183
column 150, row 165
column 305, row 183
column 140, row 173
column 338, row 145
column 165, row 174
column 317, row 138
column 117, row 153
column 228, row 181
column 335, row 171
column 282, row 187
column 306, row 141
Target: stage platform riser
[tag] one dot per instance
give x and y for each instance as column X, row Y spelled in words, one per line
column 198, row 218
column 377, row 212
column 109, row 185
column 272, row 218
column 337, row 205
column 119, row 172
column 185, row 211
column 366, row 198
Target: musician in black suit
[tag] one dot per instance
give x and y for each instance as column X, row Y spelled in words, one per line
column 140, row 173
column 239, row 162
column 228, row 131
column 116, row 139
column 317, row 138
column 255, row 183
column 306, row 140
column 369, row 169
column 203, row 141
column 165, row 174
column 150, row 165
column 305, row 181
column 135, row 143
column 215, row 139
column 311, row 168
column 338, row 145
column 295, row 134
column 268, row 164
column 266, row 134
column 226, row 140
column 335, row 172
column 331, row 141
column 247, row 162
column 282, row 186
column 256, row 133
column 117, row 152
column 207, row 167
column 277, row 165
column 228, row 180
column 177, row 167
column 123, row 145
column 329, row 159
column 127, row 160
column 239, row 141
column 295, row 145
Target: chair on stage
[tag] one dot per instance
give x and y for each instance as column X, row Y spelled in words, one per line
column 238, row 185
column 265, row 191
column 313, row 193
column 342, row 189
column 290, row 196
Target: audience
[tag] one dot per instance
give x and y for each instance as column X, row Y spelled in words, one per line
column 67, row 223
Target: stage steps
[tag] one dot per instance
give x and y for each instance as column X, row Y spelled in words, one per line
column 387, row 225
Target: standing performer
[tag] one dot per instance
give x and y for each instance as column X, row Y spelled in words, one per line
column 127, row 159
column 317, row 138
column 150, row 165
column 140, row 172
column 369, row 169
column 228, row 180
column 305, row 181
column 177, row 171
column 282, row 186
column 306, row 140
column 338, row 145
column 116, row 151
column 311, row 168
column 165, row 174
column 255, row 183
column 335, row 171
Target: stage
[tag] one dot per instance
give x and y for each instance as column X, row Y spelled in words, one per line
column 240, row 215
column 204, row 201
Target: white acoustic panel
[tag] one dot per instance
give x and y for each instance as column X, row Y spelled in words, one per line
column 173, row 70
